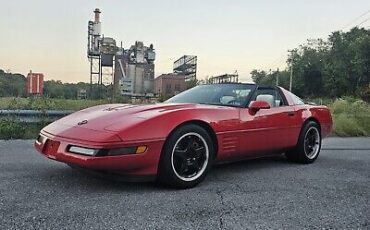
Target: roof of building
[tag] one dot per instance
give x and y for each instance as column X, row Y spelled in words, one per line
column 170, row 75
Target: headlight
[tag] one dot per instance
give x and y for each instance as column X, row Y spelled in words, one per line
column 83, row 151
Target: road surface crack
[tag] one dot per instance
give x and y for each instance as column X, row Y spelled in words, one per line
column 231, row 183
column 221, row 220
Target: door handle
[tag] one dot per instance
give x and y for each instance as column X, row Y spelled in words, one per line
column 290, row 114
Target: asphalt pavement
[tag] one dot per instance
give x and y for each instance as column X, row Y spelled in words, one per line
column 271, row 193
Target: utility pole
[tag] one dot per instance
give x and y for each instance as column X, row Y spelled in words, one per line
column 291, row 70
column 277, row 77
column 291, row 77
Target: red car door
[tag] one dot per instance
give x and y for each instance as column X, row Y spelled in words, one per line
column 269, row 130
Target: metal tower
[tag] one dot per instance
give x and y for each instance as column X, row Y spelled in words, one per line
column 186, row 65
column 100, row 52
column 93, row 51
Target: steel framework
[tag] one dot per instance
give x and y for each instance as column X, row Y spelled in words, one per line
column 225, row 78
column 186, row 65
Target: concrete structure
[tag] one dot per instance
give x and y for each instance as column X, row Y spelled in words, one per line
column 94, row 32
column 169, row 84
column 35, row 83
column 134, row 70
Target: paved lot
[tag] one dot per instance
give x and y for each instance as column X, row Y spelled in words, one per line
column 334, row 192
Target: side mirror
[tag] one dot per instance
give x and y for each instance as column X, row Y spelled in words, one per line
column 255, row 106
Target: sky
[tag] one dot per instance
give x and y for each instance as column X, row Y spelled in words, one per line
column 226, row 35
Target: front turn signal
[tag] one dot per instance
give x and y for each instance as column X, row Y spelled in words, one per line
column 141, row 149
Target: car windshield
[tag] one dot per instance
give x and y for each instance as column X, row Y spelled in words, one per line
column 236, row 95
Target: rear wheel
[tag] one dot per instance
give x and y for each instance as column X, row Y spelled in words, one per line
column 187, row 157
column 308, row 146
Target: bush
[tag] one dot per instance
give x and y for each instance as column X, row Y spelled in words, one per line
column 351, row 117
column 365, row 93
column 15, row 129
column 339, row 106
column 10, row 129
column 345, row 126
column 43, row 103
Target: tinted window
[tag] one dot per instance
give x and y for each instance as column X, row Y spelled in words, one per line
column 277, row 98
column 296, row 100
column 216, row 94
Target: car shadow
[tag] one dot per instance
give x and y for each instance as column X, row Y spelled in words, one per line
column 67, row 177
column 253, row 164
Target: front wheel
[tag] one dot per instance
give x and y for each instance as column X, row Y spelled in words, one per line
column 187, row 157
column 308, row 146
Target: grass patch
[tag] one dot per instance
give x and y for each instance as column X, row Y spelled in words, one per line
column 351, row 117
column 13, row 129
column 39, row 103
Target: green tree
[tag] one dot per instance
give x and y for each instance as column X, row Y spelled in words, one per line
column 337, row 67
column 12, row 85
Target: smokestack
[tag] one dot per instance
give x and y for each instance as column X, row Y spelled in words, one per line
column 97, row 15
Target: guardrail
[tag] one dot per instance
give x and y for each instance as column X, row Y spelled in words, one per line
column 34, row 116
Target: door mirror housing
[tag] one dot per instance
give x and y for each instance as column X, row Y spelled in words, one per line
column 255, row 106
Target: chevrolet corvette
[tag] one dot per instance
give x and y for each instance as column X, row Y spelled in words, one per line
column 177, row 142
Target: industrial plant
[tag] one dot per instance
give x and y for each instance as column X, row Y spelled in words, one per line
column 131, row 71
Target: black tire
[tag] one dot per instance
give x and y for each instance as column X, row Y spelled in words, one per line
column 302, row 152
column 189, row 148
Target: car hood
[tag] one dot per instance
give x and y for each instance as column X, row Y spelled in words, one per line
column 105, row 116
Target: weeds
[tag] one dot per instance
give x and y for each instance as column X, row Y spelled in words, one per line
column 351, row 117
column 39, row 103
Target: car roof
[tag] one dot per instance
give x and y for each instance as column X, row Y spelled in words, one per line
column 244, row 83
column 230, row 83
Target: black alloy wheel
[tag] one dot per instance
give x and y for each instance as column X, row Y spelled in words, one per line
column 187, row 157
column 309, row 144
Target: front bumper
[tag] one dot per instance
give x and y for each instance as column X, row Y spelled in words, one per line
column 144, row 164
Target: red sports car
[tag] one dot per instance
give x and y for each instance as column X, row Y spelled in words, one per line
column 177, row 142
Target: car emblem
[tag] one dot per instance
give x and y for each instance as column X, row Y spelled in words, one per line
column 82, row 122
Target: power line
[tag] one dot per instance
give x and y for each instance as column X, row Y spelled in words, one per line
column 363, row 21
column 354, row 20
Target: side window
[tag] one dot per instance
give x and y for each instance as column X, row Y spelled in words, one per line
column 296, row 100
column 234, row 97
column 271, row 96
